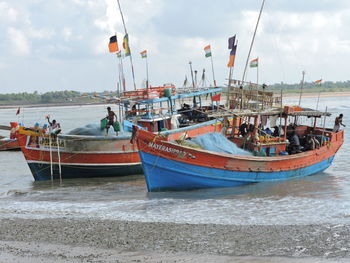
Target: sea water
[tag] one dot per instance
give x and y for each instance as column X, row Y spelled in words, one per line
column 320, row 198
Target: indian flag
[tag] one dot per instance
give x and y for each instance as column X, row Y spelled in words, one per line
column 143, row 54
column 207, row 51
column 318, row 82
column 254, row 63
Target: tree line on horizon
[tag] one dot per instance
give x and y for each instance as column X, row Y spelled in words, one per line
column 75, row 96
column 35, row 97
column 324, row 86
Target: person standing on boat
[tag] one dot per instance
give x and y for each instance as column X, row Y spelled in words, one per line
column 54, row 126
column 243, row 129
column 112, row 119
column 338, row 122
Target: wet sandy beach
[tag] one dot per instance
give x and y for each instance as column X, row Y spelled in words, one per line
column 69, row 240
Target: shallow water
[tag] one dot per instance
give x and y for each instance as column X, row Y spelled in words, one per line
column 321, row 198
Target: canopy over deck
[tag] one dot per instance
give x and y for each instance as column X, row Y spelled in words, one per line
column 305, row 112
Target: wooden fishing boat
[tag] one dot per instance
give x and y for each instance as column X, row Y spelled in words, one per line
column 82, row 156
column 9, row 143
column 170, row 165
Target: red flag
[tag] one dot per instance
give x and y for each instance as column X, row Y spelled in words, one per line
column 216, row 97
column 113, row 44
column 18, row 111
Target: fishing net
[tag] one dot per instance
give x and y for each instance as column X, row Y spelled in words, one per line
column 217, row 142
column 93, row 129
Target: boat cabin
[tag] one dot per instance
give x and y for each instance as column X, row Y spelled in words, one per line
column 277, row 132
column 155, row 108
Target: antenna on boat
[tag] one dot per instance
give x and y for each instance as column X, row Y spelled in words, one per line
column 319, row 93
column 126, row 33
column 302, row 86
column 251, row 44
column 193, row 84
column 195, row 77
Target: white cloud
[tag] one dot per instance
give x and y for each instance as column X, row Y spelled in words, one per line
column 292, row 36
column 19, row 42
column 67, row 33
column 8, row 13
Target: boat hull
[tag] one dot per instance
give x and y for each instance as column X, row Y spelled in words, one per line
column 92, row 156
column 168, row 165
column 168, row 174
column 9, row 145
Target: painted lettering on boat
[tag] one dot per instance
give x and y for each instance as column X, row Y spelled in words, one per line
column 46, row 142
column 163, row 148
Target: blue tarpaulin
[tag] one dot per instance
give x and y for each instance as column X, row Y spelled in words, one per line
column 217, row 142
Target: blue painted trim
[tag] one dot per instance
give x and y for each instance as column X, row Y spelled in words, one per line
column 192, row 127
column 179, row 96
column 161, row 174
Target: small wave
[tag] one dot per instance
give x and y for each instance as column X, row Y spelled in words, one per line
column 14, row 193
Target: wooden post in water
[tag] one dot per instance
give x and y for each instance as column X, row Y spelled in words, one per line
column 51, row 168
column 59, row 159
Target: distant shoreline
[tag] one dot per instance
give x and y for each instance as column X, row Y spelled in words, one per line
column 50, row 105
column 315, row 95
column 285, row 95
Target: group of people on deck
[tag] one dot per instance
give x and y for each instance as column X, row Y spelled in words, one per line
column 296, row 144
column 247, row 130
column 53, row 127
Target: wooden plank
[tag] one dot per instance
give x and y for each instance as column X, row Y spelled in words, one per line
column 5, row 127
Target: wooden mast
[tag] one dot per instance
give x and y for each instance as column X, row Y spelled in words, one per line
column 126, row 33
column 252, row 42
column 302, row 86
column 250, row 50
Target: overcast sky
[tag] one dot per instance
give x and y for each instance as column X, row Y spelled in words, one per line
column 63, row 44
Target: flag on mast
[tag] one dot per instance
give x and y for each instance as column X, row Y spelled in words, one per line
column 231, row 62
column 233, row 47
column 231, row 42
column 207, row 50
column 254, row 63
column 113, row 44
column 126, row 45
column 216, row 97
column 143, row 54
column 318, row 82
